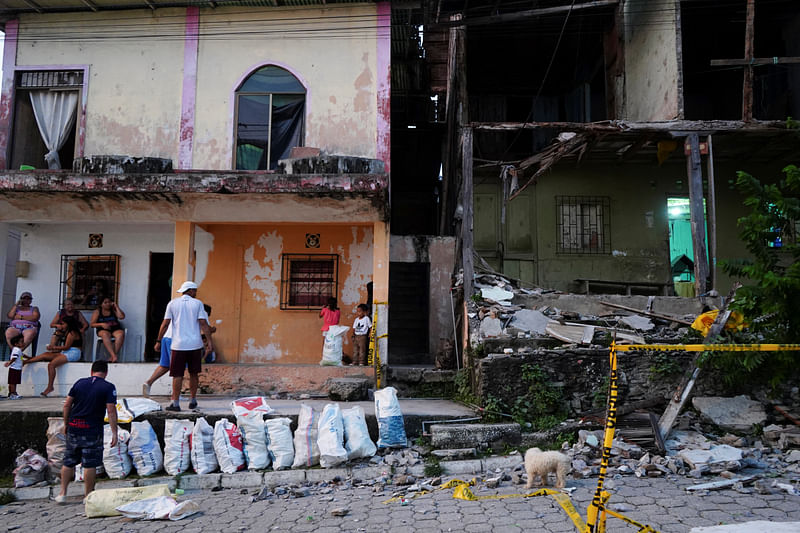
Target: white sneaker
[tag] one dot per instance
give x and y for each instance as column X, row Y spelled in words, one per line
column 60, row 499
column 14, row 396
column 145, row 389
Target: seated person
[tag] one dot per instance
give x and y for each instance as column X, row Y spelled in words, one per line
column 58, row 355
column 61, row 328
column 24, row 321
column 106, row 320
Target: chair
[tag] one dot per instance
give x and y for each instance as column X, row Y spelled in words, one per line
column 99, row 349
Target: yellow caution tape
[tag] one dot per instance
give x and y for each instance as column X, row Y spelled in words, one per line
column 707, row 347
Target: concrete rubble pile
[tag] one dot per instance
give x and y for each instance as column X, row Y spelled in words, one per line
column 502, row 312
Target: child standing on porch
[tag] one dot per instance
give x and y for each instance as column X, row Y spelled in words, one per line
column 361, row 327
column 330, row 315
column 14, row 365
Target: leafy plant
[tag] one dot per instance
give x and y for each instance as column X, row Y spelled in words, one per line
column 540, row 406
column 463, row 387
column 771, row 301
column 664, row 365
column 600, row 394
column 494, row 408
column 432, row 467
column 7, row 496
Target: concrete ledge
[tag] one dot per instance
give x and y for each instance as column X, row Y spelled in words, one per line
column 471, row 466
column 242, row 480
column 284, row 477
column 502, row 462
column 326, row 474
column 473, row 435
column 199, row 481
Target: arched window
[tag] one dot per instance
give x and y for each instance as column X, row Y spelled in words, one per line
column 270, row 111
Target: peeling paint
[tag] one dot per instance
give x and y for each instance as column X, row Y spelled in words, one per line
column 363, row 84
column 265, row 278
column 359, row 257
column 270, row 352
column 203, row 245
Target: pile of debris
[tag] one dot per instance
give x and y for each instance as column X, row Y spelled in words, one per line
column 501, row 312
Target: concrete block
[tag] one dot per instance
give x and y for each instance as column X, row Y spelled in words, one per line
column 241, row 480
column 490, row 464
column 348, row 389
column 160, row 480
column 471, row 466
column 455, row 453
column 32, row 493
column 473, row 435
column 284, row 477
column 438, row 376
column 416, row 470
column 325, row 474
column 199, row 481
column 738, row 414
column 367, row 472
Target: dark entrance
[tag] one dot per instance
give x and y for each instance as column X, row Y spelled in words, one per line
column 408, row 315
column 159, row 293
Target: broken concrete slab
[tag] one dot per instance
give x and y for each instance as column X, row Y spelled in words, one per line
column 473, row 435
column 491, row 327
column 738, row 413
column 750, row 527
column 457, row 453
column 348, row 389
column 638, row 323
column 530, row 320
column 793, row 456
column 722, row 454
column 496, row 294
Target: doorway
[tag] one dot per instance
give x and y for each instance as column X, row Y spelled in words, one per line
column 159, row 293
column 408, row 318
column 681, row 247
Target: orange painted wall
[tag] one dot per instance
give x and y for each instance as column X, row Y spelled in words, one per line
column 242, row 284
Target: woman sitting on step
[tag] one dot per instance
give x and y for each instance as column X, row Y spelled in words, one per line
column 70, row 352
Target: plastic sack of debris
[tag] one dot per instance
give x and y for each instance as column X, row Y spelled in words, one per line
column 159, row 508
column 254, row 437
column 332, row 349
column 331, row 437
column 306, row 450
column 228, row 446
column 116, row 460
column 104, row 502
column 144, row 449
column 177, row 450
column 251, row 404
column 129, row 408
column 31, row 469
column 279, row 442
column 204, row 459
column 356, row 434
column 99, row 470
column 391, row 428
column 56, row 445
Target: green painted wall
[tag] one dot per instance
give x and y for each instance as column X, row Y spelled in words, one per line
column 639, row 231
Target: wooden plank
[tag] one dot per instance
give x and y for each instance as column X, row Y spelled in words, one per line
column 533, row 13
column 712, row 215
column 677, row 128
column 648, row 313
column 466, row 202
column 755, row 62
column 448, row 166
column 723, row 484
column 697, row 213
column 747, row 88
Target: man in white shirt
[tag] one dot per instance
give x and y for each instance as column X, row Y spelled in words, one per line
column 187, row 317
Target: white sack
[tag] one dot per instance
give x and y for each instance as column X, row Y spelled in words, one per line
column 204, row 459
column 254, row 437
column 177, row 447
column 104, row 502
column 279, row 442
column 31, row 469
column 228, row 446
column 144, row 449
column 331, row 437
column 306, row 450
column 56, row 444
column 116, row 460
column 391, row 428
column 250, row 404
column 356, row 434
column 332, row 349
column 79, row 472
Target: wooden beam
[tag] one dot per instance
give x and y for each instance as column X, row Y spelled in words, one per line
column 466, row 222
column 712, row 215
column 747, row 88
column 755, row 62
column 90, row 5
column 531, row 13
column 449, row 159
column 634, row 147
column 679, row 128
column 697, row 213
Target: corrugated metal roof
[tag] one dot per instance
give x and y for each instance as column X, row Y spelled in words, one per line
column 11, row 8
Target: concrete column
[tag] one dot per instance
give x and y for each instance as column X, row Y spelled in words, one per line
column 3, row 260
column 380, row 287
column 183, row 262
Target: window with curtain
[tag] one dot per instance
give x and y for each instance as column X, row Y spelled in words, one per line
column 270, row 111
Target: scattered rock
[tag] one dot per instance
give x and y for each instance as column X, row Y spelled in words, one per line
column 340, row 511
column 301, row 492
column 493, row 482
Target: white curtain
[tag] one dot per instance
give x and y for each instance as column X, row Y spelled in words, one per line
column 55, row 115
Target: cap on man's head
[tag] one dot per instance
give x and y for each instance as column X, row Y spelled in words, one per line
column 187, row 285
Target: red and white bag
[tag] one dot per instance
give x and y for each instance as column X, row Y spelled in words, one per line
column 228, row 446
column 257, row 404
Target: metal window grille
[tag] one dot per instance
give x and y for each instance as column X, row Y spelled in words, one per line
column 307, row 281
column 583, row 224
column 87, row 279
column 46, row 79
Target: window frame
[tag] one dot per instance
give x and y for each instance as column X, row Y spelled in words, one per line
column 69, row 284
column 237, row 93
column 286, row 299
column 599, row 221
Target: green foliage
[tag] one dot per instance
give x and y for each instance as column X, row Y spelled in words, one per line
column 6, row 497
column 477, row 298
column 463, row 387
column 494, row 408
column 664, row 365
column 432, row 467
column 540, row 407
column 770, row 301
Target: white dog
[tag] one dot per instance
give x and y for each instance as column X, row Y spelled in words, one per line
column 539, row 463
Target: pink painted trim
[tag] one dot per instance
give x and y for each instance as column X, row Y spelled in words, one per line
column 189, row 97
column 384, row 79
column 7, row 96
column 241, row 80
column 81, row 140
